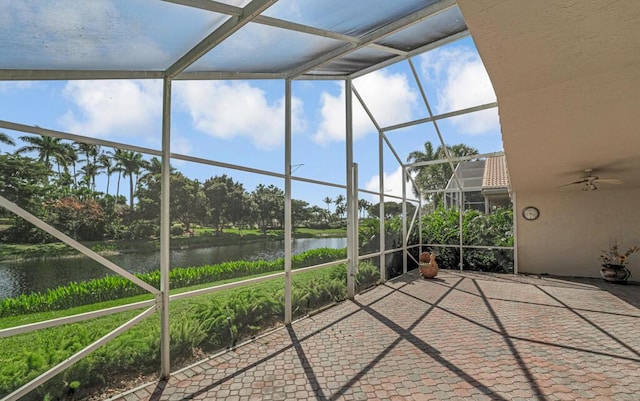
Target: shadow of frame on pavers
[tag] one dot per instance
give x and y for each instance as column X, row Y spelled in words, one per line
column 525, row 339
column 295, row 343
column 406, row 334
column 588, row 321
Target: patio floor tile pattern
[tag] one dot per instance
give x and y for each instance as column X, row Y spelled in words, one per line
column 462, row 336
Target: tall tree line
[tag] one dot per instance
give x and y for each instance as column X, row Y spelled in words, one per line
column 55, row 179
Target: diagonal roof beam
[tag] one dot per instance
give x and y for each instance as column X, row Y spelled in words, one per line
column 418, row 51
column 210, row 5
column 292, row 26
column 228, row 28
column 378, row 34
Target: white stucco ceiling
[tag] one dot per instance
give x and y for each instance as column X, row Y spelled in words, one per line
column 567, row 78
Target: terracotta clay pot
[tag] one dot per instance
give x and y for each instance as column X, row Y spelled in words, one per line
column 428, row 270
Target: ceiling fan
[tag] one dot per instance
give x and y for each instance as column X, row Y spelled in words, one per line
column 589, row 182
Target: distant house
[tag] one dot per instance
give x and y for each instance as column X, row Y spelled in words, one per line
column 484, row 184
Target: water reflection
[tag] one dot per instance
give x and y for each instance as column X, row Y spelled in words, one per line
column 25, row 276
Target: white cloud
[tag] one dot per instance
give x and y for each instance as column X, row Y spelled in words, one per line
column 9, row 86
column 388, row 96
column 461, row 81
column 115, row 109
column 181, row 145
column 480, row 122
column 392, row 186
column 236, row 109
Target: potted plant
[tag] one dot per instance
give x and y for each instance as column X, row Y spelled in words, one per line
column 428, row 265
column 614, row 261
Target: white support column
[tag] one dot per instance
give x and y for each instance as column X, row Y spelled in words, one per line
column 287, row 205
column 383, row 263
column 165, row 224
column 514, row 204
column 460, row 221
column 354, row 218
column 351, row 234
column 420, row 240
column 405, row 237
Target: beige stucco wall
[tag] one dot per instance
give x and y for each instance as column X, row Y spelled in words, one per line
column 574, row 227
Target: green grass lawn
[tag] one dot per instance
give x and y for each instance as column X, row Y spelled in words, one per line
column 14, row 321
column 208, row 322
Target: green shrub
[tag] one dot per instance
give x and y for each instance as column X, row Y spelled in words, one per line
column 177, row 229
column 495, row 229
column 368, row 276
column 206, row 323
column 114, row 287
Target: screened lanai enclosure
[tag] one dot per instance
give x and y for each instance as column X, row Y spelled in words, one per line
column 179, row 176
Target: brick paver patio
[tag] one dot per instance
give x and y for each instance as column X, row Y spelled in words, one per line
column 461, row 336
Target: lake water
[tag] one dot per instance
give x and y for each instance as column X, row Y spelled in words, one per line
column 25, row 276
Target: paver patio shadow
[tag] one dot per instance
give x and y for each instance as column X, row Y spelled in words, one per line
column 461, row 336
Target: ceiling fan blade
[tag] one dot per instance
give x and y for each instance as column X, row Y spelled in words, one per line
column 581, row 181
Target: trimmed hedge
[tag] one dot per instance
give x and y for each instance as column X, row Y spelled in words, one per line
column 206, row 323
column 114, row 287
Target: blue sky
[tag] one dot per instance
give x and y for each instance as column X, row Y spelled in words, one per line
column 242, row 122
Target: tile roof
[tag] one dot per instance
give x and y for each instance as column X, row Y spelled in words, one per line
column 495, row 173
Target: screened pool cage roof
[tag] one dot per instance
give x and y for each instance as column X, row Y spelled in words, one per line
column 469, row 176
column 230, row 39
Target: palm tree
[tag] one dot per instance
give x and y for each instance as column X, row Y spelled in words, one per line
column 363, row 205
column 328, row 201
column 341, row 208
column 47, row 148
column 4, row 138
column 106, row 163
column 68, row 157
column 90, row 150
column 92, row 167
column 153, row 168
column 117, row 155
column 435, row 176
column 90, row 171
column 132, row 163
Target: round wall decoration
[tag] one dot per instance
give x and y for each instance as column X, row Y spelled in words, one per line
column 530, row 213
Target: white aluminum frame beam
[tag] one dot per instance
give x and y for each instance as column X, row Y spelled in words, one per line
column 381, row 33
column 228, row 28
column 456, row 159
column 288, row 223
column 441, row 116
column 239, row 17
column 73, row 359
column 381, row 137
column 12, row 207
column 27, row 328
column 351, row 231
column 165, row 235
column 415, row 52
column 278, row 23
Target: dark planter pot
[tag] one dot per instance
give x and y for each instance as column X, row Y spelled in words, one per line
column 615, row 273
